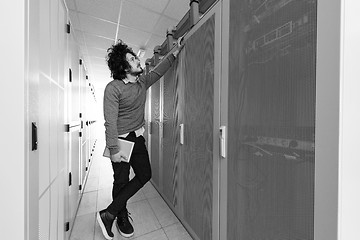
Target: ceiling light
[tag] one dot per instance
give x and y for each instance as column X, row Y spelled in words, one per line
column 140, row 53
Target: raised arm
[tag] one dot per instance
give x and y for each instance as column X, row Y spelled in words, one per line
column 156, row 73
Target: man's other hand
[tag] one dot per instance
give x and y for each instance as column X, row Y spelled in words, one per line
column 118, row 157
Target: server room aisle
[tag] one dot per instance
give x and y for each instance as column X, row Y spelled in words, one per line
column 153, row 219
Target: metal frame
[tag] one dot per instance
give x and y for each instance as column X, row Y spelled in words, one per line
column 225, row 35
column 218, row 83
column 327, row 120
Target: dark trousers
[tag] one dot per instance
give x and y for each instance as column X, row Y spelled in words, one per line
column 123, row 189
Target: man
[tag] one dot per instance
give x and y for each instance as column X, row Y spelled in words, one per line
column 124, row 107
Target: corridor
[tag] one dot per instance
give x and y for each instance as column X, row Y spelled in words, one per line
column 248, row 108
column 153, row 219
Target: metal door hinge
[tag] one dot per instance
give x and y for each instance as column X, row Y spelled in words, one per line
column 70, row 75
column 70, row 179
column 223, row 141
column 34, row 137
column 182, row 134
column 67, row 226
column 68, row 28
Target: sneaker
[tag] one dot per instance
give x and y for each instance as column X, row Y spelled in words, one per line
column 105, row 221
column 124, row 226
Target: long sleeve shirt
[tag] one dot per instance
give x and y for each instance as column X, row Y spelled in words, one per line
column 124, row 104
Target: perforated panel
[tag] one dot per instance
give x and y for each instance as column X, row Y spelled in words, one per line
column 173, row 94
column 155, row 122
column 271, row 120
column 197, row 170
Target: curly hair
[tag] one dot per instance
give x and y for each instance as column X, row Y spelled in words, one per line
column 116, row 59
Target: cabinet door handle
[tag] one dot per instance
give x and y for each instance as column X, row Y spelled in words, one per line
column 34, row 137
column 182, row 134
column 223, row 141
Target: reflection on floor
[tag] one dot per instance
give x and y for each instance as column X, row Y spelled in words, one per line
column 153, row 219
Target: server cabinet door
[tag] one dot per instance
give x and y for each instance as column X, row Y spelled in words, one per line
column 271, row 120
column 155, row 131
column 199, row 163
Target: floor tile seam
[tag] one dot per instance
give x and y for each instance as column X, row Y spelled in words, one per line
column 141, row 200
column 90, row 191
column 178, row 223
column 75, row 227
column 135, row 201
column 96, row 211
column 167, row 206
column 151, row 232
column 154, row 213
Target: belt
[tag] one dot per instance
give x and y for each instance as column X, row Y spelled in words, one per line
column 138, row 133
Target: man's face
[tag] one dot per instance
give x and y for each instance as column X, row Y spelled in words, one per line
column 135, row 64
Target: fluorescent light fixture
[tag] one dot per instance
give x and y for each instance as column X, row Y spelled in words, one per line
column 140, row 53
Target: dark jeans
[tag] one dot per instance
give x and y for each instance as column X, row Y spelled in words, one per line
column 123, row 189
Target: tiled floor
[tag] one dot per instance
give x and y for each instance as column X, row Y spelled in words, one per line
column 153, row 220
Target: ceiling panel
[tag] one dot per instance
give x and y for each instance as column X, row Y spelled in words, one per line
column 97, row 26
column 157, row 5
column 154, row 41
column 102, row 3
column 99, row 62
column 177, row 9
column 97, row 42
column 143, row 23
column 133, row 36
column 98, row 9
column 97, row 52
column 133, row 16
column 164, row 23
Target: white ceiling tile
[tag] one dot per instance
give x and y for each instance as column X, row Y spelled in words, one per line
column 133, row 37
column 147, row 55
column 102, row 3
column 97, row 26
column 177, row 9
column 139, row 18
column 164, row 23
column 107, row 10
column 97, row 52
column 100, row 62
column 97, row 42
column 70, row 4
column 153, row 42
column 157, row 5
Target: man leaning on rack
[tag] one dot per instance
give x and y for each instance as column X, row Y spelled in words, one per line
column 124, row 108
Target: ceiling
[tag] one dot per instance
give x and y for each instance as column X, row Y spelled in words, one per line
column 142, row 24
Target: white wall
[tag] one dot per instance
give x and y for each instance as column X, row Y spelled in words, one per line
column 12, row 104
column 349, row 144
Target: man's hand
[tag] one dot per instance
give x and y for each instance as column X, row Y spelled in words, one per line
column 118, row 157
column 179, row 46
